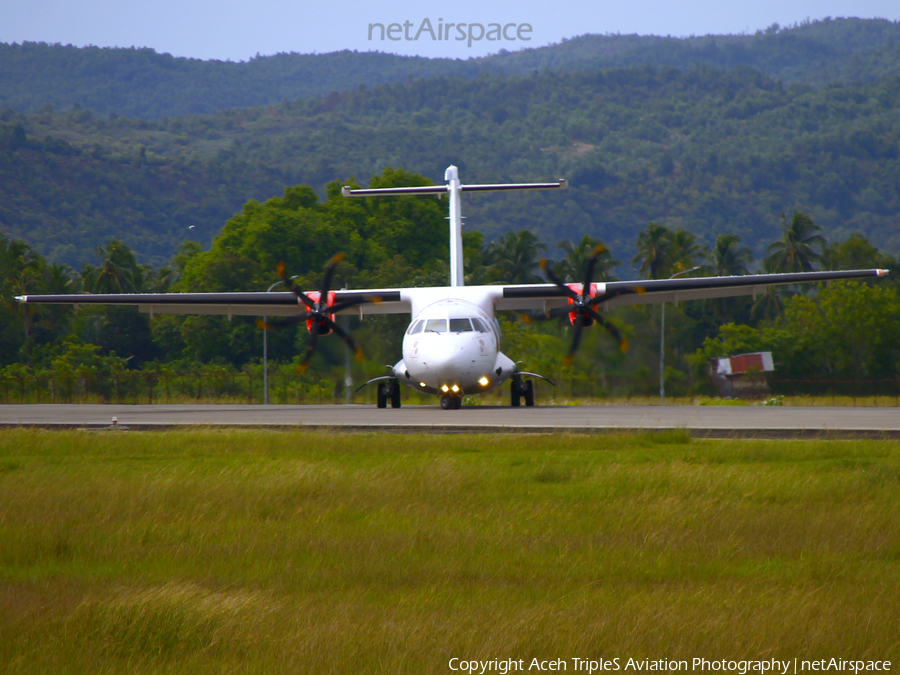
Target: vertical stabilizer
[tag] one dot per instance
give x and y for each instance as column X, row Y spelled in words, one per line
column 454, row 189
column 451, row 175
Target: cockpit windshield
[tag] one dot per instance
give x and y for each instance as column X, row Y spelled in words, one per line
column 455, row 325
column 460, row 326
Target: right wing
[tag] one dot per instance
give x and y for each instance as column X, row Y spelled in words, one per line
column 616, row 293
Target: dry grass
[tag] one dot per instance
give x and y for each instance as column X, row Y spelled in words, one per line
column 255, row 551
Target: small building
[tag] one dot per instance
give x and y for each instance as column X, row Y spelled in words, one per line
column 742, row 375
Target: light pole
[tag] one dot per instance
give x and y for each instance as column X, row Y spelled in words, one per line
column 266, row 354
column 662, row 338
column 348, row 378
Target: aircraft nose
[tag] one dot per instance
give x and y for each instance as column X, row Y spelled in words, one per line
column 440, row 365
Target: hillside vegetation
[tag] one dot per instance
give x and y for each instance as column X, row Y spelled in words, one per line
column 142, row 83
column 709, row 150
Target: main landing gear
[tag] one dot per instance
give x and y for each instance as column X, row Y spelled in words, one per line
column 519, row 389
column 449, row 402
column 389, row 391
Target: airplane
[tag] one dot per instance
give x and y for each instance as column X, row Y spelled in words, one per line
column 451, row 347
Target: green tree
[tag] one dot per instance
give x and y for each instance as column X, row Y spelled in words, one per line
column 727, row 258
column 685, row 251
column 575, row 259
column 800, row 248
column 655, row 249
column 855, row 253
column 514, row 258
column 769, row 305
column 116, row 272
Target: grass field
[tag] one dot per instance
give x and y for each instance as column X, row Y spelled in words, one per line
column 254, row 551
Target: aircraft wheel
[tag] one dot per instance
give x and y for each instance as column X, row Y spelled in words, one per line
column 446, row 402
column 529, row 393
column 395, row 396
column 457, row 402
column 382, row 398
column 515, row 399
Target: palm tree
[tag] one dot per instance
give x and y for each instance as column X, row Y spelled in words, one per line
column 116, row 273
column 572, row 267
column 514, row 257
column 23, row 273
column 799, row 248
column 685, row 251
column 727, row 258
column 655, row 248
column 769, row 305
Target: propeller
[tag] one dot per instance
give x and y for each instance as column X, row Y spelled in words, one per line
column 582, row 305
column 318, row 313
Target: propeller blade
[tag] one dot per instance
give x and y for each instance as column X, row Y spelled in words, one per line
column 608, row 325
column 358, row 355
column 552, row 314
column 310, row 348
column 589, row 272
column 635, row 290
column 545, row 267
column 329, row 274
column 352, row 303
column 576, row 339
column 304, row 298
column 319, row 316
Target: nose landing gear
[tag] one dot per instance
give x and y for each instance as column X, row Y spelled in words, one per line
column 389, row 390
column 449, row 402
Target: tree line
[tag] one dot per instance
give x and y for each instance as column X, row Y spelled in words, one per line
column 146, row 84
column 845, row 331
column 708, row 150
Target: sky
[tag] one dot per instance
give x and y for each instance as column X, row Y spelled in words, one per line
column 237, row 30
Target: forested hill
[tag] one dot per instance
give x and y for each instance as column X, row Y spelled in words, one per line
column 142, row 83
column 709, row 150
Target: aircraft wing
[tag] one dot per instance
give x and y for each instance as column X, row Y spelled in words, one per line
column 617, row 293
column 376, row 301
column 410, row 300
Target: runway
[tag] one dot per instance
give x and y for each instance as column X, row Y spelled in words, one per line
column 701, row 421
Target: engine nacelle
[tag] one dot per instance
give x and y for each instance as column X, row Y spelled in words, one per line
column 315, row 296
column 573, row 316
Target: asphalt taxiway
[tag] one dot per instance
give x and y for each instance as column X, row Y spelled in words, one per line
column 708, row 421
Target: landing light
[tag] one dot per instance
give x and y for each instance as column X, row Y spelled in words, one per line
column 455, row 388
column 422, row 384
column 445, row 388
column 483, row 382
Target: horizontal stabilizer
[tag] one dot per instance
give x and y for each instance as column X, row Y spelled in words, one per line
column 346, row 191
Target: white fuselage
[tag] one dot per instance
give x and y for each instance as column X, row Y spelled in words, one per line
column 452, row 346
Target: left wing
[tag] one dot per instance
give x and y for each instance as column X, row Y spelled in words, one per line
column 376, row 301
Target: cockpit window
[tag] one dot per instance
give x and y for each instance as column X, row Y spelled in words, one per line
column 416, row 327
column 479, row 326
column 436, row 325
column 460, row 326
